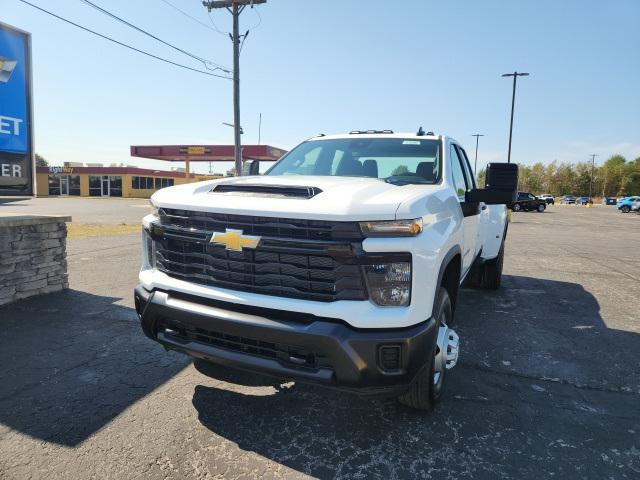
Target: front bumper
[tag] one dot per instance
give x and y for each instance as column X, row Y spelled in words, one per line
column 289, row 345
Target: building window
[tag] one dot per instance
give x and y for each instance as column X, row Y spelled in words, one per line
column 95, row 186
column 54, row 185
column 74, row 185
column 115, row 187
column 163, row 183
column 142, row 183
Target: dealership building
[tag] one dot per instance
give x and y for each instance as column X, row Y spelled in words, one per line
column 108, row 181
column 133, row 182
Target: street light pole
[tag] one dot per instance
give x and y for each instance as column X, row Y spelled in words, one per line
column 593, row 162
column 475, row 165
column 515, row 76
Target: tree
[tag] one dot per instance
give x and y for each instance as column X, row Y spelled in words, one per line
column 400, row 170
column 482, row 175
column 611, row 173
column 41, row 161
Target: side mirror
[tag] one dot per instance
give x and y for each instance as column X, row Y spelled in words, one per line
column 502, row 176
column 254, row 167
column 500, row 186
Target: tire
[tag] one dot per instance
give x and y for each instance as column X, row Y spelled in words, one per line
column 491, row 274
column 541, row 208
column 625, row 209
column 516, row 207
column 425, row 391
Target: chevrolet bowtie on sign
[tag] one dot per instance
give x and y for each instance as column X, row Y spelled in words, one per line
column 7, row 66
column 234, row 240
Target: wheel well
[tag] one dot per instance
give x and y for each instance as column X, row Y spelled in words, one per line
column 451, row 280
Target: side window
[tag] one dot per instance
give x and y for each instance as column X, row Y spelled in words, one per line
column 467, row 168
column 457, row 173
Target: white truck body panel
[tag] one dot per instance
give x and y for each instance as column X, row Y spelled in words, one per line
column 352, row 199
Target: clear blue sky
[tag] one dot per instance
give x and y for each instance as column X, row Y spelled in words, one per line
column 336, row 65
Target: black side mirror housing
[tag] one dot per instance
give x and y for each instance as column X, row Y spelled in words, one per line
column 254, row 167
column 500, row 186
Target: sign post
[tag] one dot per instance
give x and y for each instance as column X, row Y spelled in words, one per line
column 17, row 158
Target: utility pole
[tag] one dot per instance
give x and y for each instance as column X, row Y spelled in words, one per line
column 515, row 76
column 475, row 165
column 259, row 128
column 235, row 7
column 593, row 162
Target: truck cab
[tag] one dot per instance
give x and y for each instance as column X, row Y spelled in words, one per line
column 340, row 266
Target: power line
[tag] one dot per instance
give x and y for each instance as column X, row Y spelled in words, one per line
column 215, row 27
column 122, row 44
column 244, row 37
column 255, row 9
column 205, row 62
column 189, row 16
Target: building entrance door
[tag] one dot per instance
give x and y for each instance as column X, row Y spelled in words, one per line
column 64, row 185
column 106, row 186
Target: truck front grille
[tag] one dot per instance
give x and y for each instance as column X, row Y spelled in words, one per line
column 284, row 265
column 286, row 228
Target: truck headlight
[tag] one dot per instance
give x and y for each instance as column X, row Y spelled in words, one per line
column 392, row 228
column 389, row 283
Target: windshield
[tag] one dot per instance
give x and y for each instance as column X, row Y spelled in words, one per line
column 395, row 160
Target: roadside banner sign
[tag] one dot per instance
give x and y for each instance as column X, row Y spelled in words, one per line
column 16, row 123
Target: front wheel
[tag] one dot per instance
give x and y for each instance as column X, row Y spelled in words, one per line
column 625, row 209
column 516, row 207
column 541, row 208
column 427, row 388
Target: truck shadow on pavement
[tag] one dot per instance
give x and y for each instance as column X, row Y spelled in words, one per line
column 71, row 362
column 543, row 387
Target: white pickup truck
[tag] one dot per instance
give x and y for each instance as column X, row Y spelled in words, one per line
column 339, row 266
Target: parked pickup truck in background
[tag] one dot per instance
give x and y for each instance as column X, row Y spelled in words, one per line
column 340, row 266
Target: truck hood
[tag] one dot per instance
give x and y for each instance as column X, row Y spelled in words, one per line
column 331, row 198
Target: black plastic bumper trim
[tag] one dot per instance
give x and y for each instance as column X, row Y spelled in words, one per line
column 351, row 355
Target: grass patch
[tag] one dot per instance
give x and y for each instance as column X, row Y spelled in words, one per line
column 83, row 230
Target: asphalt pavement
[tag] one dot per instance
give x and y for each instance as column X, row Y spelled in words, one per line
column 87, row 210
column 548, row 383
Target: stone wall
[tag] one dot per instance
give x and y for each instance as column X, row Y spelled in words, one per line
column 33, row 258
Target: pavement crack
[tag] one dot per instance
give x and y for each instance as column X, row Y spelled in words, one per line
column 524, row 376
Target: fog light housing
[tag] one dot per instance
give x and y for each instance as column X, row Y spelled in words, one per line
column 390, row 357
column 389, row 284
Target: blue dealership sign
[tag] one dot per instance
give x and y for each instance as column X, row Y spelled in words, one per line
column 16, row 162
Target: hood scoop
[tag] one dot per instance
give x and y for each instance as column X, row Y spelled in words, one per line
column 288, row 191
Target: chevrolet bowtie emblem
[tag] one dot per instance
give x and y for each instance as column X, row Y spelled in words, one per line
column 234, row 240
column 7, row 66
